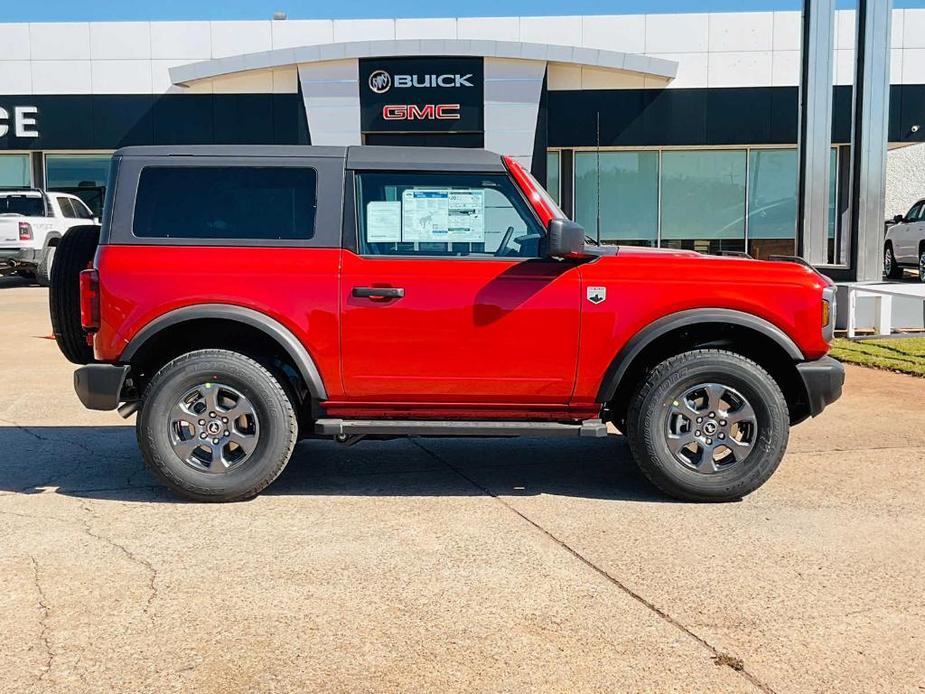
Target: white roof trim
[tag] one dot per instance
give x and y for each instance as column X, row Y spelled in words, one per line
column 590, row 57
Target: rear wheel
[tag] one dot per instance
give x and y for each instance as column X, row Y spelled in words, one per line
column 216, row 426
column 43, row 272
column 708, row 425
column 922, row 265
column 73, row 254
column 891, row 269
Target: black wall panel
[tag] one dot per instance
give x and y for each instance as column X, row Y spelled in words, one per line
column 101, row 121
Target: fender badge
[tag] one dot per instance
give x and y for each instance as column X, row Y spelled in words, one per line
column 597, row 295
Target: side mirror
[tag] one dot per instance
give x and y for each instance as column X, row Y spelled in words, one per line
column 565, row 239
column 898, row 218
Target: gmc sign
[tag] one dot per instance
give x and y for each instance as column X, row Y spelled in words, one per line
column 426, row 112
column 422, row 95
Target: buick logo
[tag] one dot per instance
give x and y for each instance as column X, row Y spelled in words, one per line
column 380, row 82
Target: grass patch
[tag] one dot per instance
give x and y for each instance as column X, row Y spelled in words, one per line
column 904, row 355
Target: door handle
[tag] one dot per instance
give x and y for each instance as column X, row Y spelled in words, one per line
column 379, row 292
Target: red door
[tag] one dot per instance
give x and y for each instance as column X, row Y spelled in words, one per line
column 459, row 329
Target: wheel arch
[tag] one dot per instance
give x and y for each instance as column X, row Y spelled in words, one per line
column 52, row 238
column 168, row 324
column 743, row 333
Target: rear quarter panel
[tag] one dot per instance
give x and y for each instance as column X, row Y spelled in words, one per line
column 641, row 289
column 298, row 287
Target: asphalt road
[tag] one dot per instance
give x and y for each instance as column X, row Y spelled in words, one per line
column 453, row 565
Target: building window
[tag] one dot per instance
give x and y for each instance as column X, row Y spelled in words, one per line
column 616, row 196
column 772, row 202
column 553, row 185
column 703, row 200
column 83, row 175
column 15, row 170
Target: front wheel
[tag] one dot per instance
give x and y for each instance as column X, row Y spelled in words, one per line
column 708, row 425
column 216, row 426
column 922, row 265
column 891, row 268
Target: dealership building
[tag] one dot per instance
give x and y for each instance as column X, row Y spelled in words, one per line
column 666, row 130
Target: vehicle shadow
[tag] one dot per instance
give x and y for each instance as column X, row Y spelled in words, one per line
column 104, row 463
column 14, row 281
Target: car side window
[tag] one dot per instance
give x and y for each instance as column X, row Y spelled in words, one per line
column 66, row 208
column 444, row 215
column 915, row 213
column 226, row 202
column 81, row 211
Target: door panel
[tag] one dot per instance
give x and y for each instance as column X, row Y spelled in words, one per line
column 460, row 330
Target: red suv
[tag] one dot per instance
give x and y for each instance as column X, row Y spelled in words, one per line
column 243, row 298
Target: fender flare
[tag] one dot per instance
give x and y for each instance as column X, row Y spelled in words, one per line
column 51, row 236
column 248, row 316
column 698, row 316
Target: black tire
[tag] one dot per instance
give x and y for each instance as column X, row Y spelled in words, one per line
column 43, row 271
column 277, row 422
column 922, row 265
column 650, row 408
column 74, row 253
column 891, row 269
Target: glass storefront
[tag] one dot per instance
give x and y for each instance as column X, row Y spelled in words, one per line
column 15, row 170
column 553, row 185
column 83, row 175
column 709, row 200
column 616, row 196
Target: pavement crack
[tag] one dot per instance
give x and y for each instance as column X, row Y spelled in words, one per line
column 131, row 556
column 46, row 439
column 718, row 657
column 43, row 622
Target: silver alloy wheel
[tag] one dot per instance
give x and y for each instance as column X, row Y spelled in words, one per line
column 922, row 267
column 887, row 262
column 710, row 427
column 214, row 428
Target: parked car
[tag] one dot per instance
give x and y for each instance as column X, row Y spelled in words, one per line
column 32, row 223
column 905, row 243
column 243, row 298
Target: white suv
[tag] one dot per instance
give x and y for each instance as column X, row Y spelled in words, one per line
column 32, row 223
column 905, row 243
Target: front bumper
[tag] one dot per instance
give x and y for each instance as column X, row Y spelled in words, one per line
column 823, row 380
column 99, row 386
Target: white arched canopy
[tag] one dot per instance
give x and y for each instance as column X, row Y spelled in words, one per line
column 589, row 57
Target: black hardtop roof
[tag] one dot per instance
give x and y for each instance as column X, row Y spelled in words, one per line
column 356, row 157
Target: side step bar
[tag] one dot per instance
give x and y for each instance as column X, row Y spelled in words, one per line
column 592, row 428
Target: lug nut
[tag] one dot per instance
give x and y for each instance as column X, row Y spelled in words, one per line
column 202, row 436
column 722, row 436
column 226, row 433
column 202, row 422
column 697, row 433
column 215, row 441
column 699, row 420
column 722, row 422
column 709, row 441
column 712, row 415
column 225, row 420
column 212, row 415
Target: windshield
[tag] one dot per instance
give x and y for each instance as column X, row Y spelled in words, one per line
column 25, row 205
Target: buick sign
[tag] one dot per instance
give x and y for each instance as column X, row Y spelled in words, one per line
column 422, row 95
column 380, row 82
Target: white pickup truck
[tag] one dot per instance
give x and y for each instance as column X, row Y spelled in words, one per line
column 32, row 223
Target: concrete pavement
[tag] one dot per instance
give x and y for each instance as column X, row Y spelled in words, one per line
column 450, row 564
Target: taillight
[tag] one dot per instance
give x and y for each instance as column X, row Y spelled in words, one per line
column 90, row 300
column 544, row 206
column 25, row 231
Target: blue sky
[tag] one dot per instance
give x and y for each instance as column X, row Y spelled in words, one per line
column 96, row 10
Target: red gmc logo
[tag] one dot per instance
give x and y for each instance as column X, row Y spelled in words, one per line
column 426, row 112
